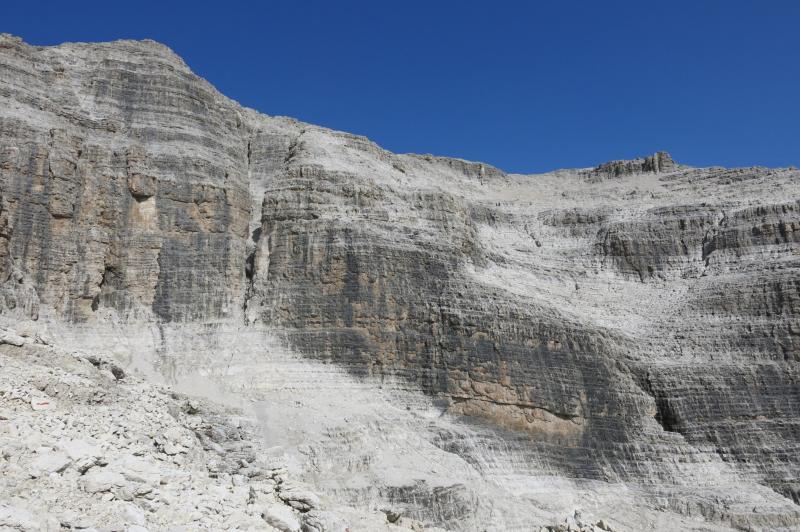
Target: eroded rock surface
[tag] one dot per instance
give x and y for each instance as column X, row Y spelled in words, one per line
column 629, row 328
column 111, row 454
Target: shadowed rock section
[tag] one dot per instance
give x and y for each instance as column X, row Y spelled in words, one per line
column 636, row 322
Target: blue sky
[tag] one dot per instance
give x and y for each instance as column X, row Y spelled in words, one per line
column 526, row 86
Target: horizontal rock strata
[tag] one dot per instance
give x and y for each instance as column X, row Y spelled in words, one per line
column 633, row 323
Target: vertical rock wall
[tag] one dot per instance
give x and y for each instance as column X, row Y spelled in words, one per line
column 634, row 322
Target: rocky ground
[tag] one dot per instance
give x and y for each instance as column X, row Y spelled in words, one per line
column 85, row 446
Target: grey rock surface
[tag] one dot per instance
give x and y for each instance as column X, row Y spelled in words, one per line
column 468, row 348
column 96, row 461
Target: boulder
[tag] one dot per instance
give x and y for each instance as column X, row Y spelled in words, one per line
column 49, row 462
column 42, row 403
column 79, row 449
column 281, row 517
column 101, row 480
column 11, row 338
column 136, row 469
column 16, row 518
column 299, row 499
column 134, row 515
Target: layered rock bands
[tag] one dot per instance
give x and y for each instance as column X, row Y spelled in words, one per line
column 638, row 322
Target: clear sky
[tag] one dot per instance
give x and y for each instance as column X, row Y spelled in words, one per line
column 526, row 86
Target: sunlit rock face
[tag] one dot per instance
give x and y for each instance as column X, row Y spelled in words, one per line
column 629, row 327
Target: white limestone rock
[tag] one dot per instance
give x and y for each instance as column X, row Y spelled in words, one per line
column 48, row 461
column 486, row 350
column 18, row 518
column 281, row 517
column 99, row 480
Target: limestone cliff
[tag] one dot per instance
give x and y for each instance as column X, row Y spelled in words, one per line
column 634, row 325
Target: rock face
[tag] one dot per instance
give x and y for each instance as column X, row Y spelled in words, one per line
column 631, row 325
column 124, row 453
column 656, row 163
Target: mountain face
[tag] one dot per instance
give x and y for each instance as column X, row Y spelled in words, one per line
column 481, row 350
